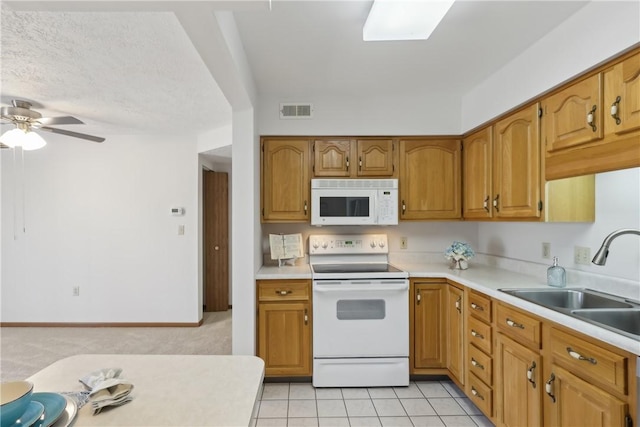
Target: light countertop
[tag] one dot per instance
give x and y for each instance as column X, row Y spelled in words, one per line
column 487, row 280
column 168, row 390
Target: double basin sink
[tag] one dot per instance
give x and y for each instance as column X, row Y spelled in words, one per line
column 608, row 311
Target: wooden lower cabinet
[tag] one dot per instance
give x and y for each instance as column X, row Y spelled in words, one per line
column 571, row 401
column 519, row 389
column 455, row 332
column 427, row 343
column 284, row 327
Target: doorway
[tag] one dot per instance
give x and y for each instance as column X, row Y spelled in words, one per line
column 216, row 240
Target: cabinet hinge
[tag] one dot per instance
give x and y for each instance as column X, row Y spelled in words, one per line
column 313, row 147
column 262, row 147
column 540, row 205
column 263, row 212
column 393, row 168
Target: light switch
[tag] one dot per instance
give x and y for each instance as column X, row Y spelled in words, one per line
column 181, row 230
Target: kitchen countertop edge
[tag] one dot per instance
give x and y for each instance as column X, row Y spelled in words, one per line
column 487, row 280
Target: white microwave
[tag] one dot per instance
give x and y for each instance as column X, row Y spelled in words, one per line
column 354, row 201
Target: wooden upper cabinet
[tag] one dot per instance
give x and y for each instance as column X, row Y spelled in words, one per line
column 332, row 158
column 622, row 96
column 430, row 178
column 353, row 158
column 375, row 157
column 285, row 180
column 517, row 165
column 476, row 175
column 574, row 116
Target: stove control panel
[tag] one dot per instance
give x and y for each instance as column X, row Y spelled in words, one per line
column 348, row 244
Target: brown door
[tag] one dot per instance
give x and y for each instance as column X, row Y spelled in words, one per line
column 216, row 241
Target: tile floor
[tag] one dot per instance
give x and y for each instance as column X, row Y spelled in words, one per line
column 422, row 404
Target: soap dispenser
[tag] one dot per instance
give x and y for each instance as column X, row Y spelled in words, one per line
column 556, row 275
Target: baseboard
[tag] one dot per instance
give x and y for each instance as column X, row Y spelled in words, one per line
column 98, row 325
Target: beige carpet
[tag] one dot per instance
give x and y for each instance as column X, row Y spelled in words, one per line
column 25, row 351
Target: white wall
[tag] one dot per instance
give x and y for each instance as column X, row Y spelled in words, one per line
column 416, row 114
column 97, row 216
column 595, row 33
column 617, row 206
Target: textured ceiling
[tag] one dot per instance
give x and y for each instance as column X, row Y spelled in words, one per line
column 122, row 72
column 130, row 67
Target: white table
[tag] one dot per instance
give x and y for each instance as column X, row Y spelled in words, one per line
column 169, row 390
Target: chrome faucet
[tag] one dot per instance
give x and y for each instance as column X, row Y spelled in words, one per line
column 603, row 252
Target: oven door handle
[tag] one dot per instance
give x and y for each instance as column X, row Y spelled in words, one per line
column 400, row 287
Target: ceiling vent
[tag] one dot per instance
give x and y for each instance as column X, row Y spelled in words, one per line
column 296, row 111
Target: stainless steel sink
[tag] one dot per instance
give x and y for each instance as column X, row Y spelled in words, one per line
column 598, row 308
column 568, row 299
column 624, row 321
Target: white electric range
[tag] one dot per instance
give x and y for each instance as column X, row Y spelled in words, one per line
column 360, row 313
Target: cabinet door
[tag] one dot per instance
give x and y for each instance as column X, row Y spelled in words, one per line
column 476, row 175
column 430, row 179
column 573, row 116
column 332, row 157
column 429, row 323
column 285, row 180
column 519, row 391
column 516, row 162
column 570, row 401
column 622, row 96
column 284, row 338
column 375, row 157
column 455, row 332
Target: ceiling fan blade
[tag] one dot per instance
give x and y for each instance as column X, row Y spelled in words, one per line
column 74, row 134
column 64, row 120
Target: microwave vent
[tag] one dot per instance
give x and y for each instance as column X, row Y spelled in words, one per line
column 296, row 111
column 355, row 183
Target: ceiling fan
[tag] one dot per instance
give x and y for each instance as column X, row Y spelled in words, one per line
column 27, row 120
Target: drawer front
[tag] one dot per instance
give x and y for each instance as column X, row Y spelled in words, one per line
column 589, row 361
column 481, row 395
column 480, row 306
column 282, row 290
column 479, row 334
column 519, row 325
column 480, row 364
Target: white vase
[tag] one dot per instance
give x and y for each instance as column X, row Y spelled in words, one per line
column 460, row 264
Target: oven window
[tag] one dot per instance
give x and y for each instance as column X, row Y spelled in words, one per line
column 360, row 309
column 344, row 206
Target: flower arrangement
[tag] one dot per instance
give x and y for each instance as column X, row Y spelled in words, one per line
column 459, row 253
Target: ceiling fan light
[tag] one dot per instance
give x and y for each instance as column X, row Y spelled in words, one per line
column 33, row 141
column 13, row 138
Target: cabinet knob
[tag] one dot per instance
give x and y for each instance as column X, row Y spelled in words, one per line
column 530, row 373
column 495, row 203
column 615, row 107
column 216, row 248
column 477, row 307
column 485, row 204
column 548, row 387
column 283, row 292
column 476, row 394
column 477, row 334
column 514, row 324
column 591, row 118
column 475, row 363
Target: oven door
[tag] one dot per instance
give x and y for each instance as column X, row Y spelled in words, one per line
column 360, row 318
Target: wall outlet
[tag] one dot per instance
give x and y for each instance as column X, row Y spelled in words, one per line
column 76, row 291
column 546, row 250
column 404, row 244
column 582, row 255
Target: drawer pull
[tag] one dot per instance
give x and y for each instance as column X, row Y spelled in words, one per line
column 475, row 363
column 477, row 307
column 476, row 334
column 578, row 356
column 549, row 388
column 530, row 372
column 514, row 324
column 476, row 394
column 284, row 292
